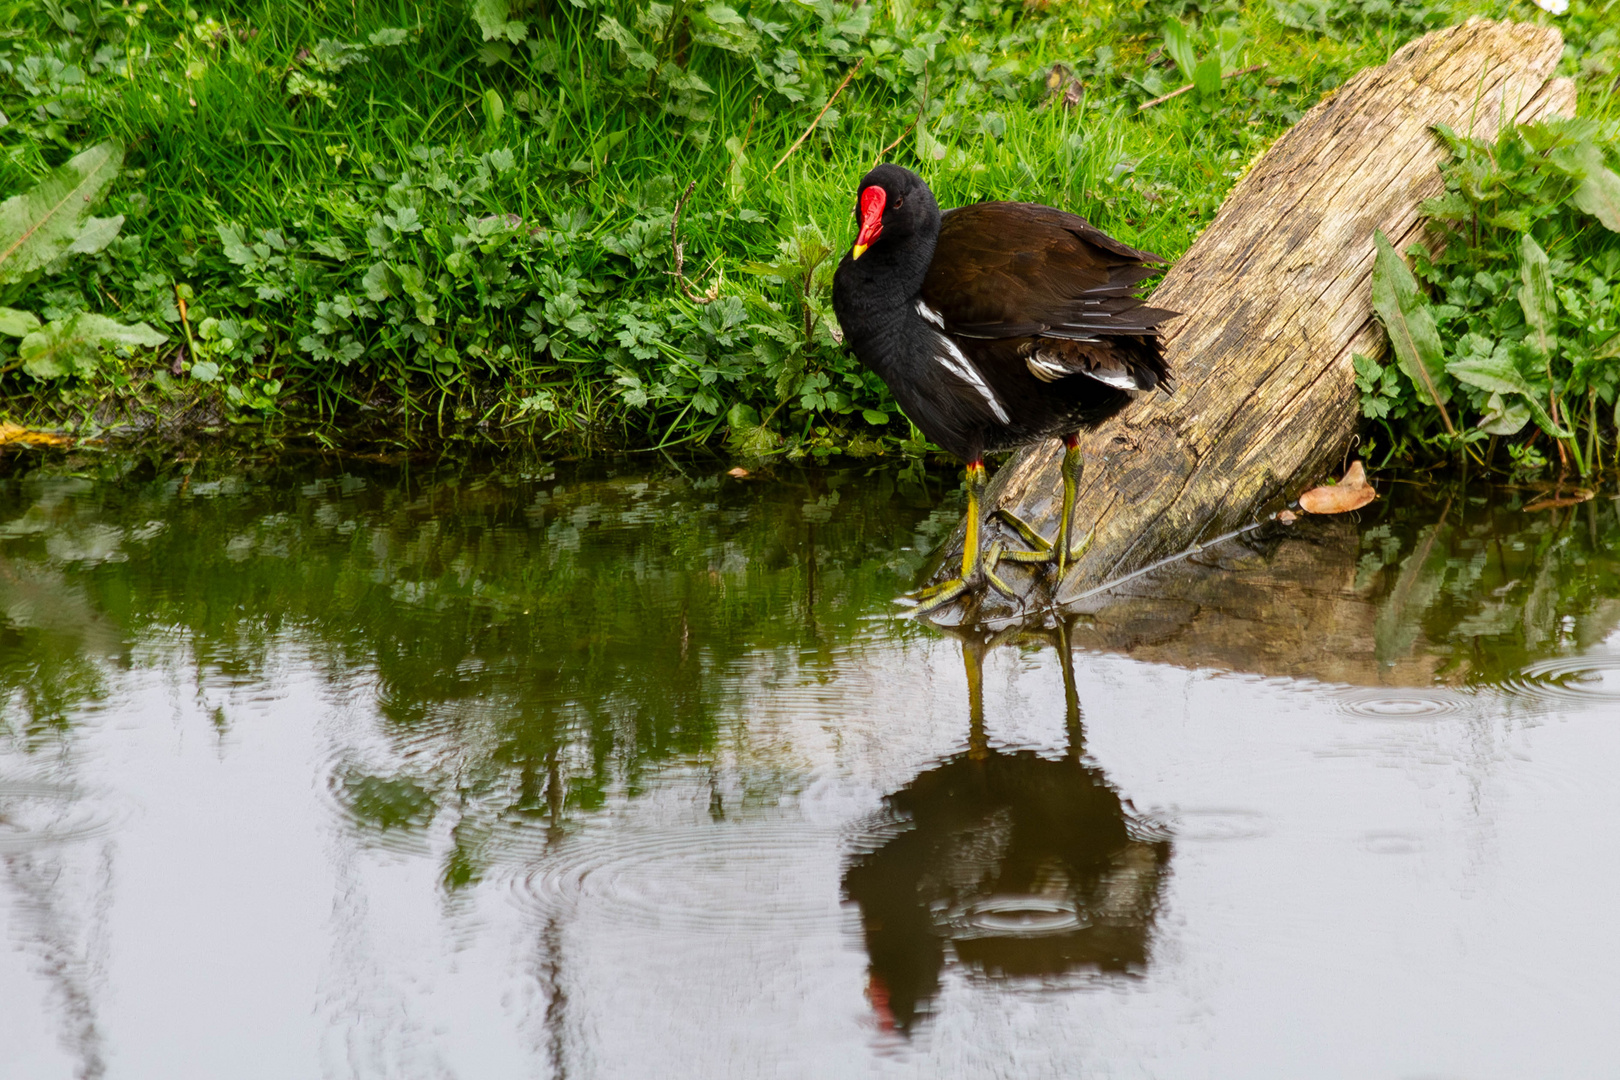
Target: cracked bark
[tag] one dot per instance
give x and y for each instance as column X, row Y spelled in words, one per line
column 1275, row 296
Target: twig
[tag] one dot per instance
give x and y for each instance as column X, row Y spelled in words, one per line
column 1182, row 90
column 883, row 153
column 713, row 293
column 819, row 115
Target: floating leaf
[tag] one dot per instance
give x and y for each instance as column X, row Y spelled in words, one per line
column 39, row 225
column 1351, row 493
column 1406, row 315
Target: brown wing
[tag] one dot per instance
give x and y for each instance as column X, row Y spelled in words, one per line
column 1004, row 270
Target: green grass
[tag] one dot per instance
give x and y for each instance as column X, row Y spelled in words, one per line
column 378, row 216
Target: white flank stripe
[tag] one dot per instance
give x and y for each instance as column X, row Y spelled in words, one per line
column 930, row 314
column 1113, row 377
column 958, row 365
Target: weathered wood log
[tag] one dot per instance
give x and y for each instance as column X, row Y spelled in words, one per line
column 1276, row 296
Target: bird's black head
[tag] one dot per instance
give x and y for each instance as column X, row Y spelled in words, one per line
column 893, row 205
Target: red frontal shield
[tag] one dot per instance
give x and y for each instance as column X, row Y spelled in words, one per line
column 873, row 201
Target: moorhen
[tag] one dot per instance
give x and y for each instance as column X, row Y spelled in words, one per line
column 995, row 325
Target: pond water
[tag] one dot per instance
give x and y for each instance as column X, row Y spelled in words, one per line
column 319, row 767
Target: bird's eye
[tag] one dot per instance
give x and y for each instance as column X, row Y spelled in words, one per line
column 895, row 205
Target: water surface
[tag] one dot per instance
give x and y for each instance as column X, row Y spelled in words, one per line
column 330, row 767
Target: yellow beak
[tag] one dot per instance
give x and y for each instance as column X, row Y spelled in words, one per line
column 858, row 250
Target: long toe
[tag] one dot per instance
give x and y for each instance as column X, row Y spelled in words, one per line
column 934, row 597
column 1025, row 531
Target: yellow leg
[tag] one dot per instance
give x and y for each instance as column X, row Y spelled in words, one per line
column 1063, row 550
column 935, row 596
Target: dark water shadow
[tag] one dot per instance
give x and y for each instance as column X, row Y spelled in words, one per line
column 1019, row 866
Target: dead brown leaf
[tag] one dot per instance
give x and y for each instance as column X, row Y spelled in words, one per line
column 739, row 472
column 1351, row 493
column 16, row 433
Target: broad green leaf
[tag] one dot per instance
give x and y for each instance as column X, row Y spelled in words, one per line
column 205, row 371
column 41, row 224
column 96, row 234
column 1608, row 350
column 494, row 111
column 928, row 147
column 379, row 282
column 14, row 323
column 1179, row 47
column 720, row 25
column 1599, row 193
column 387, row 36
column 494, row 19
column 1405, row 314
column 235, row 244
column 1504, row 419
column 1207, row 76
column 1497, row 374
column 610, row 29
column 71, row 346
column 1536, row 295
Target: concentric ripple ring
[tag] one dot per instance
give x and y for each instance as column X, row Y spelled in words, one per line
column 1405, row 703
column 751, row 879
column 1590, row 678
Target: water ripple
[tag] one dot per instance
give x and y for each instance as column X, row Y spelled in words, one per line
column 1018, row 915
column 755, row 879
column 1208, row 823
column 1404, row 703
column 1569, row 678
column 34, row 813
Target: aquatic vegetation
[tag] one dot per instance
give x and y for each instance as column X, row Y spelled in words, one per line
column 1519, row 335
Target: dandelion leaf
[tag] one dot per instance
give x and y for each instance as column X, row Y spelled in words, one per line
column 41, row 224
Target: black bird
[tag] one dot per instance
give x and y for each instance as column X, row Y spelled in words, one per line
column 995, row 325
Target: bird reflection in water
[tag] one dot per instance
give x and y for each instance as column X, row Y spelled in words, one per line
column 1017, row 865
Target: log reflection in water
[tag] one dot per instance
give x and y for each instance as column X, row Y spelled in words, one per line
column 1013, row 864
column 1466, row 590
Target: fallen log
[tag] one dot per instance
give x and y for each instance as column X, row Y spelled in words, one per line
column 1276, row 297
